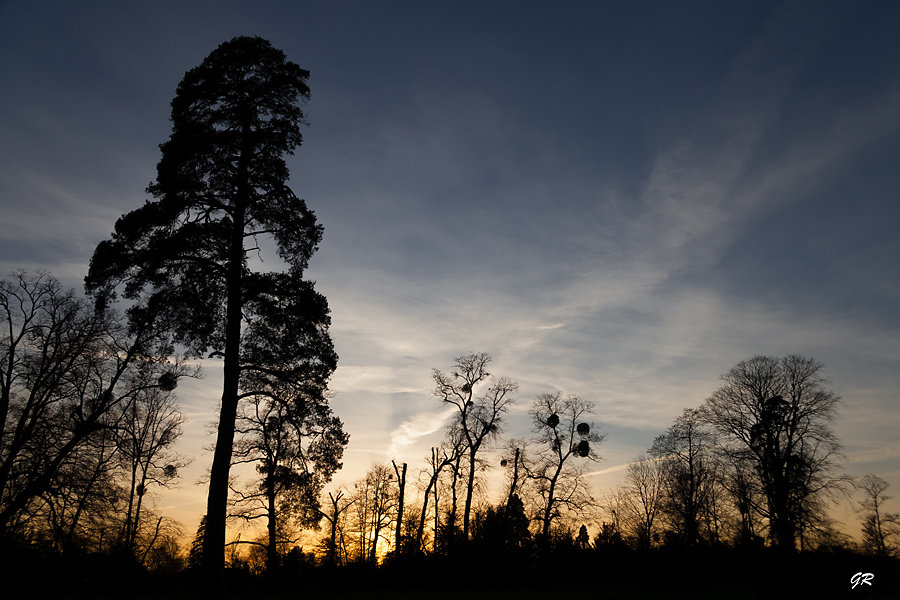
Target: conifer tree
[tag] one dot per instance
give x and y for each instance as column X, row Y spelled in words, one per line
column 182, row 259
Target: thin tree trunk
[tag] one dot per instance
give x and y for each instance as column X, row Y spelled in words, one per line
column 137, row 511
column 437, row 519
column 152, row 541
column 454, row 499
column 272, row 547
column 420, row 531
column 83, row 501
column 551, row 496
column 470, row 488
column 401, row 479
column 515, row 479
column 130, row 512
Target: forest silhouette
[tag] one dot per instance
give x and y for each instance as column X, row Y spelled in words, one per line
column 734, row 499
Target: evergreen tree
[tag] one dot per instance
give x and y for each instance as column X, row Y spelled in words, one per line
column 221, row 191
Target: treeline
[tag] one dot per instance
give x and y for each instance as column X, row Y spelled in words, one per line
column 88, row 424
column 753, row 467
column 88, row 428
column 546, row 477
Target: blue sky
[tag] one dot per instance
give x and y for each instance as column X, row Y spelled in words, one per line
column 616, row 200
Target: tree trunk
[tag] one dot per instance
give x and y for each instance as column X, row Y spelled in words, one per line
column 437, row 519
column 401, row 479
column 515, row 480
column 454, row 500
column 129, row 515
column 332, row 549
column 470, row 488
column 335, row 515
column 781, row 518
column 83, row 501
column 136, row 518
column 420, row 531
column 551, row 495
column 216, row 507
column 272, row 547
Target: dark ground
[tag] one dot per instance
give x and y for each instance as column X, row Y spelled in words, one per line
column 477, row 575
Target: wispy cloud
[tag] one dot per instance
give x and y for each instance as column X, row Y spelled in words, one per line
column 608, row 470
column 417, row 427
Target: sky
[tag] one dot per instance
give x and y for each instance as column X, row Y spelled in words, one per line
column 619, row 200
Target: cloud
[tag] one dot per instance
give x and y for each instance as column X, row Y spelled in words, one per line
column 382, row 379
column 417, row 427
column 570, row 284
column 881, row 452
column 608, row 470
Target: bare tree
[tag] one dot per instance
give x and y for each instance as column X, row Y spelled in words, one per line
column 614, row 512
column 564, row 437
column 776, row 414
column 447, row 455
column 447, row 533
column 375, row 503
column 479, row 416
column 743, row 486
column 401, row 489
column 333, row 551
column 879, row 528
column 166, row 555
column 644, row 489
column 685, row 455
column 66, row 371
column 148, row 540
column 148, row 429
column 80, row 508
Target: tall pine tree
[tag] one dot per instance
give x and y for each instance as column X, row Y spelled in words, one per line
column 182, row 258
